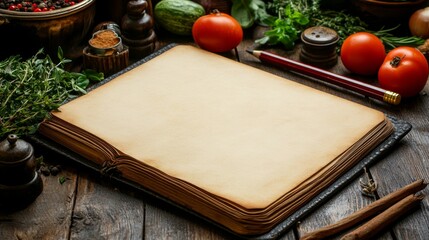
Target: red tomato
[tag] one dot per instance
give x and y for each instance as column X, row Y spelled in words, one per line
column 363, row 53
column 405, row 71
column 217, row 32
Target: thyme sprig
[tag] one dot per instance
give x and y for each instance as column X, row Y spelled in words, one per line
column 31, row 88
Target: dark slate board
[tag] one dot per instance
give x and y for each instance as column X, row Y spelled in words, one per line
column 401, row 129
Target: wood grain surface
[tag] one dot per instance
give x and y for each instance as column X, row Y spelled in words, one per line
column 87, row 206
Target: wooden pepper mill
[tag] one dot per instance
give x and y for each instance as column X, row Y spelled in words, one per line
column 20, row 183
column 137, row 29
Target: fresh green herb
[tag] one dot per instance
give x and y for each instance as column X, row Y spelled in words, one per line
column 285, row 29
column 391, row 41
column 63, row 179
column 345, row 25
column 247, row 12
column 39, row 161
column 342, row 22
column 293, row 16
column 30, row 89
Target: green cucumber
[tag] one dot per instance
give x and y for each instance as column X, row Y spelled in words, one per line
column 178, row 16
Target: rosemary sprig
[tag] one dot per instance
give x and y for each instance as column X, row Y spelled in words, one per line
column 391, row 41
column 30, row 89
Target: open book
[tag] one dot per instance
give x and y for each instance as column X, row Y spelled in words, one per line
column 238, row 145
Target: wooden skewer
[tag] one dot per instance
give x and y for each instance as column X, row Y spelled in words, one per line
column 367, row 212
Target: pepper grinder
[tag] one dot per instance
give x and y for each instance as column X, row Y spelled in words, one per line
column 20, row 183
column 137, row 29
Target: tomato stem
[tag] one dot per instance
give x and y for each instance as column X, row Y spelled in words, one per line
column 395, row 61
column 215, row 11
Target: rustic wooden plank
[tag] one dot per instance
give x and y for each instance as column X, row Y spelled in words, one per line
column 394, row 172
column 340, row 206
column 407, row 163
column 164, row 221
column 49, row 216
column 103, row 212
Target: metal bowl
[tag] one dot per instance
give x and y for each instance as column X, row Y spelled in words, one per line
column 107, row 50
column 26, row 32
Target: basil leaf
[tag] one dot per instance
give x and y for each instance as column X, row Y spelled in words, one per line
column 241, row 11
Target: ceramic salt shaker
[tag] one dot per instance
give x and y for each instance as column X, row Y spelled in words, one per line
column 20, row 183
column 319, row 46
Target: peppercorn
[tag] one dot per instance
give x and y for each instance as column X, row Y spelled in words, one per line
column 45, row 170
column 36, row 5
column 12, row 7
column 55, row 170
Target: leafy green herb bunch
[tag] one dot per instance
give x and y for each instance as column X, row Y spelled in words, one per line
column 31, row 88
column 294, row 16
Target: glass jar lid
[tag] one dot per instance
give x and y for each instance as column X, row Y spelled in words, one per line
column 319, row 36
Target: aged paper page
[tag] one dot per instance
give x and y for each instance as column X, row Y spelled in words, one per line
column 232, row 130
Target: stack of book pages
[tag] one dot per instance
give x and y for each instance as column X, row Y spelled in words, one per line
column 240, row 146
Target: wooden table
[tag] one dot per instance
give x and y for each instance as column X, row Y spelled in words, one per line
column 87, row 206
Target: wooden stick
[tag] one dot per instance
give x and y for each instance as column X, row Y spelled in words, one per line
column 384, row 219
column 366, row 212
